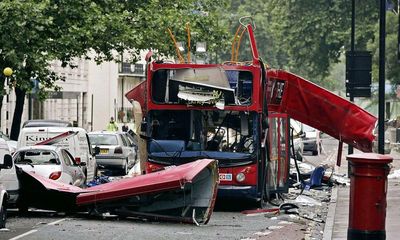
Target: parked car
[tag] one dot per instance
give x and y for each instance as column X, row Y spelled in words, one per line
column 73, row 139
column 12, row 145
column 116, row 150
column 51, row 162
column 133, row 139
column 311, row 139
column 5, row 163
column 297, row 139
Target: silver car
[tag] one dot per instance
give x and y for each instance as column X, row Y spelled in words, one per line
column 52, row 162
column 116, row 150
column 312, row 140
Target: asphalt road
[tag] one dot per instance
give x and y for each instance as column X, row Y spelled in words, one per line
column 223, row 225
column 226, row 223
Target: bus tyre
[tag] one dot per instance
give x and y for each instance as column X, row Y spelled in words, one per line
column 261, row 203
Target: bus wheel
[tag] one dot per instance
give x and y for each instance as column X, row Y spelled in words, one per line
column 261, row 204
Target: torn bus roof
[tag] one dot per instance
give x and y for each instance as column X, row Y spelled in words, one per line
column 320, row 109
column 40, row 192
column 185, row 193
column 138, row 93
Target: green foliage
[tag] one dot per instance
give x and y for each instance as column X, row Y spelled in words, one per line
column 37, row 32
column 306, row 37
column 392, row 66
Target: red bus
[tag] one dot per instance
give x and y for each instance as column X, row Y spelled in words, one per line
column 195, row 111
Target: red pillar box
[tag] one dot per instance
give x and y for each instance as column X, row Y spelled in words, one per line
column 368, row 187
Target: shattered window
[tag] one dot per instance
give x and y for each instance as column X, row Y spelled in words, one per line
column 202, row 86
column 37, row 157
column 227, row 131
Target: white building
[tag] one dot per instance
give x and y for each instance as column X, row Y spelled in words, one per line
column 90, row 95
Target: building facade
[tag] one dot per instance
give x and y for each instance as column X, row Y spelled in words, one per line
column 90, row 95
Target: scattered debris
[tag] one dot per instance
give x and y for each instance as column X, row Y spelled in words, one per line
column 305, row 200
column 340, row 180
column 98, row 180
column 264, row 233
column 395, row 174
column 274, row 227
column 285, row 223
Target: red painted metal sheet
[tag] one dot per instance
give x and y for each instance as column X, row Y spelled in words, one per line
column 43, row 193
column 321, row 109
column 57, row 138
column 184, row 193
column 172, row 178
column 253, row 45
column 58, row 186
column 138, row 93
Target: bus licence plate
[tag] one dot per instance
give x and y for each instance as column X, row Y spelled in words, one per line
column 225, row 176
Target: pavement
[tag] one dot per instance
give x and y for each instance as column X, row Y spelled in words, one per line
column 338, row 213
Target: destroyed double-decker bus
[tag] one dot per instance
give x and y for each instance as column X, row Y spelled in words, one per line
column 191, row 111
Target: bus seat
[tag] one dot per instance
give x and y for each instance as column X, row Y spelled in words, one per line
column 166, row 146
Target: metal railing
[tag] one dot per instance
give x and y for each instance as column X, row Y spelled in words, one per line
column 125, row 114
column 131, row 69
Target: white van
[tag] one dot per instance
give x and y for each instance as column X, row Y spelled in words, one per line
column 74, row 139
column 5, row 163
column 8, row 176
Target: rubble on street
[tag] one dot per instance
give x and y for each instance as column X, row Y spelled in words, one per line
column 306, row 211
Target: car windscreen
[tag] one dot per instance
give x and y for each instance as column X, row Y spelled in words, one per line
column 37, row 157
column 103, row 139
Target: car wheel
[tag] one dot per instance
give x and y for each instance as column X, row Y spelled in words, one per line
column 96, row 171
column 85, row 171
column 315, row 152
column 125, row 170
column 299, row 156
column 3, row 216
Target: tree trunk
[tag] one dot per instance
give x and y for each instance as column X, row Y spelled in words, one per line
column 19, row 109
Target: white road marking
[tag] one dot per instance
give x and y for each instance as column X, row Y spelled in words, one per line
column 35, row 230
column 24, row 234
column 55, row 222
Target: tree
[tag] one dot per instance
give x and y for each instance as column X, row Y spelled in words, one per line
column 41, row 31
column 392, row 66
column 306, row 37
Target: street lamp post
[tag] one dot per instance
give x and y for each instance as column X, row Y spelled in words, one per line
column 7, row 73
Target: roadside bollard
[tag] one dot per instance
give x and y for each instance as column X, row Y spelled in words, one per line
column 368, row 188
